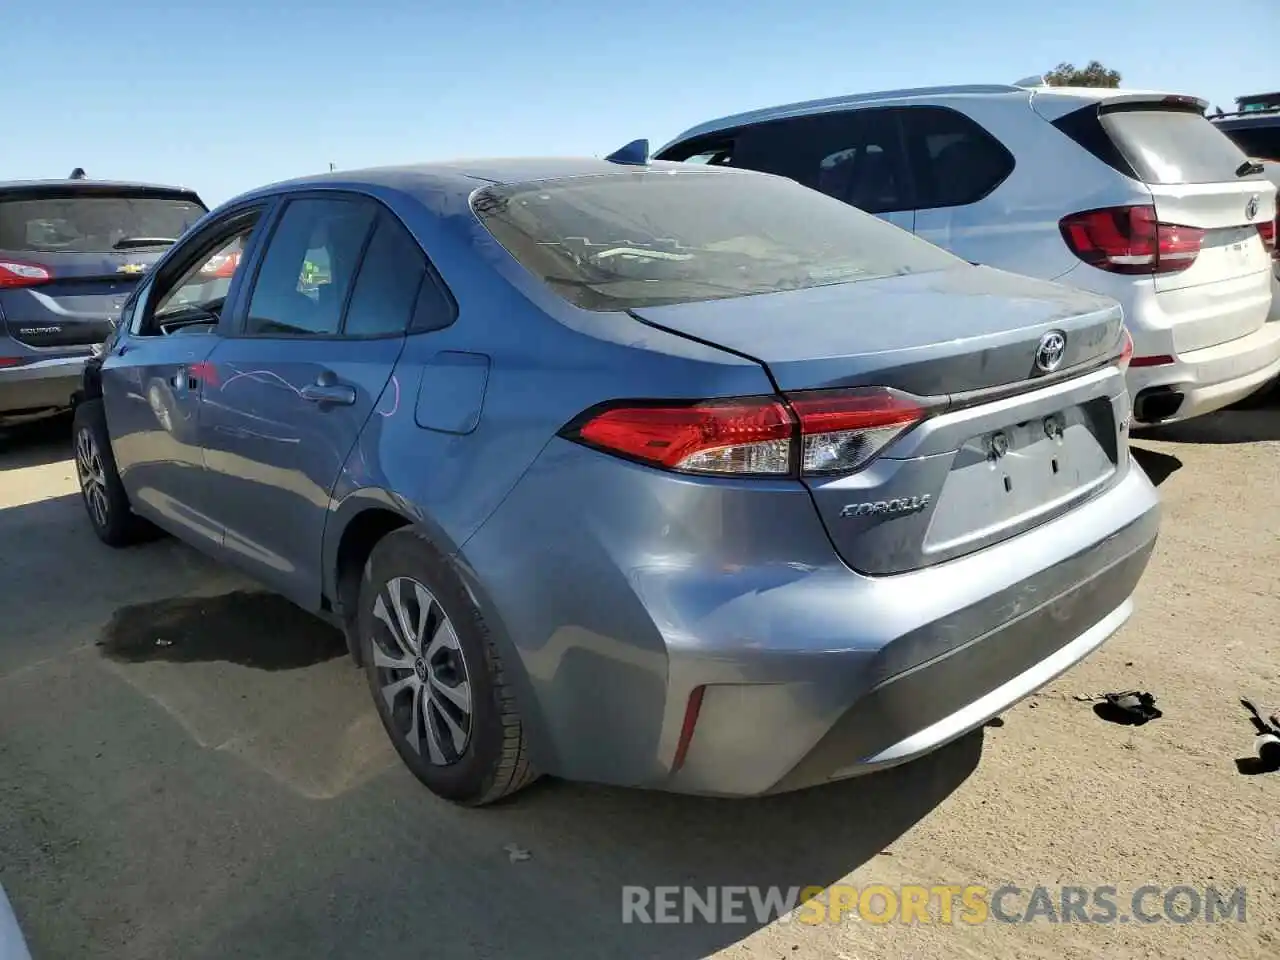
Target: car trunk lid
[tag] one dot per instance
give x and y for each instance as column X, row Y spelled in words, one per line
column 1008, row 444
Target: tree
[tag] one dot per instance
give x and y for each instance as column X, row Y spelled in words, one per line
column 1094, row 75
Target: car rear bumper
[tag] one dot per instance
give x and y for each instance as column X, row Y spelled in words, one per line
column 624, row 595
column 39, row 385
column 1211, row 378
column 877, row 711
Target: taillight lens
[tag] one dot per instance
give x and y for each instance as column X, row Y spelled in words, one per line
column 842, row 430
column 14, row 273
column 1268, row 233
column 810, row 433
column 221, row 266
column 1126, row 351
column 1130, row 240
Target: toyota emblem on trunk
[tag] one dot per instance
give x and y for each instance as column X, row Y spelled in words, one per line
column 1251, row 208
column 1052, row 348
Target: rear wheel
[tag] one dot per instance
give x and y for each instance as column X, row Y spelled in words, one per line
column 105, row 499
column 437, row 679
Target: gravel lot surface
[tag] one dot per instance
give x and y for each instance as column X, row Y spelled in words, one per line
column 190, row 769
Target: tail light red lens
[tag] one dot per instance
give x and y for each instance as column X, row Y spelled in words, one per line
column 1267, row 231
column 1131, row 240
column 14, row 273
column 221, row 266
column 1126, row 351
column 809, row 433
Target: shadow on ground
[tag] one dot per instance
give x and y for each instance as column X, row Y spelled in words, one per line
column 586, row 845
column 248, row 628
column 35, row 444
column 1157, row 466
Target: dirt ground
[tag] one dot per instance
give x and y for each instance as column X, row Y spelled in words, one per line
column 189, row 769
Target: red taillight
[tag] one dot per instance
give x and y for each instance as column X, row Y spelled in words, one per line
column 1126, row 351
column 221, row 266
column 1130, row 240
column 841, row 430
column 812, row 432
column 1267, row 231
column 14, row 273
column 12, row 361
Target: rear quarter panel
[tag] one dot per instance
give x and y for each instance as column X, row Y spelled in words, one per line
column 470, row 407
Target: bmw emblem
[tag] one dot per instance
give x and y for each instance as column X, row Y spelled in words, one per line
column 1251, row 208
column 1052, row 348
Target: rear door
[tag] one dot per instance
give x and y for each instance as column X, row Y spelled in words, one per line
column 287, row 395
column 71, row 254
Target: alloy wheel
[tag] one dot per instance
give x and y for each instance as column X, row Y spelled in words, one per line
column 93, row 478
column 421, row 671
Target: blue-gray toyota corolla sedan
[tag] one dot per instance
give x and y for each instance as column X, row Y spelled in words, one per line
column 631, row 472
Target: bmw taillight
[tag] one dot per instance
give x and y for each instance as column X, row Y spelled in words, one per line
column 1131, row 240
column 805, row 433
column 15, row 273
column 1267, row 231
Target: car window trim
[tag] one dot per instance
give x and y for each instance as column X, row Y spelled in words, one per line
column 176, row 256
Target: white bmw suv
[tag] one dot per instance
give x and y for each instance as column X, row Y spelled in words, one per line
column 1131, row 194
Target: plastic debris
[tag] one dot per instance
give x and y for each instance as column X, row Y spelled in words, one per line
column 516, row 853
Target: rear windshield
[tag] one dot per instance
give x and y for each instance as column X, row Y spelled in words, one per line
column 1173, row 146
column 93, row 224
column 652, row 237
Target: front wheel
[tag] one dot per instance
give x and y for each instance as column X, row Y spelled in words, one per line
column 105, row 500
column 437, row 679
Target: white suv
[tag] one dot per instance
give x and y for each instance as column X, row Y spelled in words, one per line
column 1126, row 193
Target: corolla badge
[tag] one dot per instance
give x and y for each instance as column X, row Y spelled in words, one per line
column 1052, row 348
column 887, row 508
column 1251, row 208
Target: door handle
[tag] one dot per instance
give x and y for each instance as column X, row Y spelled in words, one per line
column 327, row 389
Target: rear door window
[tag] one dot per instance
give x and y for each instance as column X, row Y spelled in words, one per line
column 955, row 161
column 1171, row 145
column 308, row 268
column 854, row 156
column 110, row 223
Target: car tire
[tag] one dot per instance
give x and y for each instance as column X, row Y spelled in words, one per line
column 443, row 699
column 105, row 500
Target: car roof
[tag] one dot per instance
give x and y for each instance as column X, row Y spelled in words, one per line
column 464, row 176
column 90, row 187
column 1081, row 95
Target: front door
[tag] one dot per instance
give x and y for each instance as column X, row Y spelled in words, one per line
column 154, row 375
column 287, row 397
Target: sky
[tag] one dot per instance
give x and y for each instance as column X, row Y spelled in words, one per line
column 225, row 96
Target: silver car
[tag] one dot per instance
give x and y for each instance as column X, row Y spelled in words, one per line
column 640, row 473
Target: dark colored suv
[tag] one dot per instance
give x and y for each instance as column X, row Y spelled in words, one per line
column 1256, row 132
column 71, row 251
